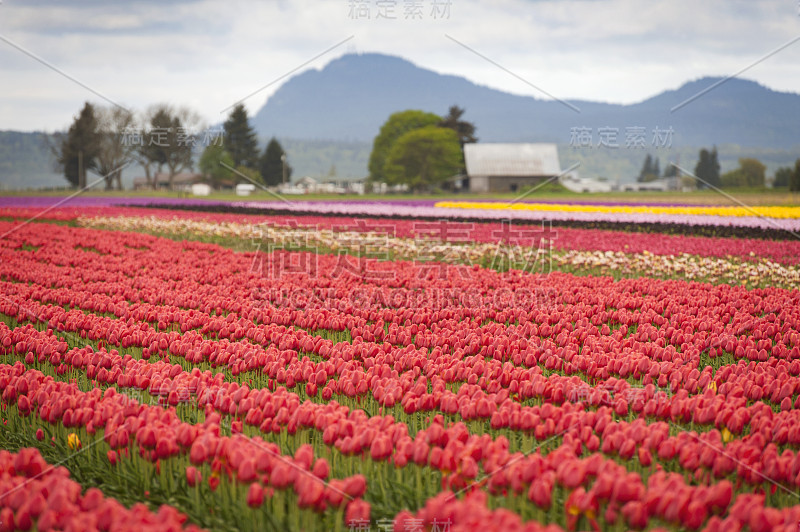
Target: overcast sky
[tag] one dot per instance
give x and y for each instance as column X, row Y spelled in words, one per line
column 210, row 54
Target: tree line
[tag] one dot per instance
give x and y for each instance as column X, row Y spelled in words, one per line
column 165, row 139
column 751, row 173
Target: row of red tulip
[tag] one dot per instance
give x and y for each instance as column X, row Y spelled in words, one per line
column 492, row 389
column 511, row 342
column 724, row 299
column 787, row 252
column 501, row 418
column 532, row 474
column 159, row 434
column 737, row 304
column 471, row 402
column 454, row 449
column 774, row 380
column 36, row 495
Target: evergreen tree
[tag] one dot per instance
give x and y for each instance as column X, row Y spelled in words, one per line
column 271, row 164
column 77, row 150
column 648, row 170
column 794, row 184
column 671, row 170
column 656, row 169
column 783, row 177
column 240, row 139
column 707, row 169
column 465, row 130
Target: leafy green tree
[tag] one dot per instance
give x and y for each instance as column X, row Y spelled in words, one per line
column 244, row 174
column 271, row 164
column 464, row 129
column 707, row 169
column 750, row 173
column 216, row 164
column 240, row 138
column 671, row 170
column 783, row 176
column 423, row 157
column 397, row 125
column 733, row 179
column 77, row 150
column 754, row 172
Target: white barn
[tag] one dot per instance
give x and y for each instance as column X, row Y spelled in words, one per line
column 509, row 167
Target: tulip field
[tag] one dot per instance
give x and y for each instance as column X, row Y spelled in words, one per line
column 173, row 368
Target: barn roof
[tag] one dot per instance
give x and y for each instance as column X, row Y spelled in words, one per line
column 518, row 160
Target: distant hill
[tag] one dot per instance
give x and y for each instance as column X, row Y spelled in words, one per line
column 25, row 161
column 352, row 96
column 328, row 118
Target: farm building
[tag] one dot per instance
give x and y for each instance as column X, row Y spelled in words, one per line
column 181, row 181
column 509, row 167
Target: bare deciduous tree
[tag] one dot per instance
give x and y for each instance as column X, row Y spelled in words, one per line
column 115, row 125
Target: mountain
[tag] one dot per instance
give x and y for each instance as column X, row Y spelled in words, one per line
column 353, row 95
column 327, row 118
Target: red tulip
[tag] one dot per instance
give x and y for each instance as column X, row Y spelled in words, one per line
column 282, row 476
column 304, row 456
column 321, row 468
column 7, row 523
column 645, row 458
column 540, row 493
column 247, row 470
column 255, row 495
column 355, row 486
column 310, row 491
column 357, row 513
column 635, row 514
column 381, row 448
column 193, row 476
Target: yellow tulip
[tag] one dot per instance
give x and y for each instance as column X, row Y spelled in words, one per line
column 72, row 441
column 700, row 210
column 726, row 435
